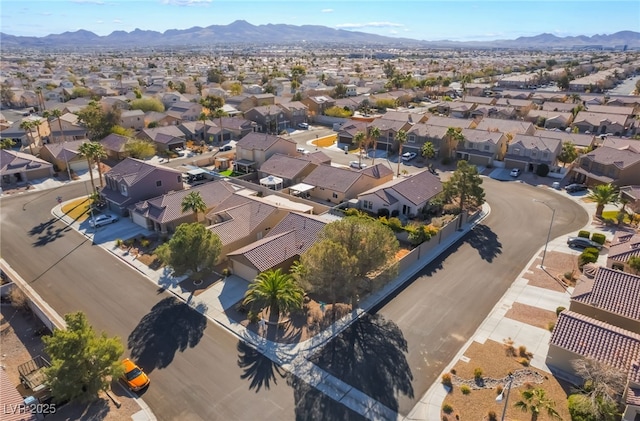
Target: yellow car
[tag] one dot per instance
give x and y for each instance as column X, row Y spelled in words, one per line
column 134, row 376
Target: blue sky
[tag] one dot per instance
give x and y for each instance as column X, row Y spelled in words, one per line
column 417, row 19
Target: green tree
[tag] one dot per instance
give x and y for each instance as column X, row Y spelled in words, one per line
column 93, row 152
column 7, row 143
column 28, row 126
column 192, row 249
column 465, row 186
column 215, row 76
column 401, row 138
column 602, row 195
column 580, row 408
column 139, row 148
column 568, row 154
column 147, row 104
column 603, row 387
column 213, row 104
column 193, row 202
column 98, row 122
column 7, row 96
column 82, row 362
column 359, row 140
column 122, row 131
column 277, row 291
column 535, row 401
column 340, row 91
column 428, row 151
column 634, row 263
column 453, row 136
column 374, row 135
column 384, row 103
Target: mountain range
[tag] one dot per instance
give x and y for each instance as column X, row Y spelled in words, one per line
column 242, row 32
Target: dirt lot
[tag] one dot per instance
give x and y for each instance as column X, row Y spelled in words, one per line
column 20, row 341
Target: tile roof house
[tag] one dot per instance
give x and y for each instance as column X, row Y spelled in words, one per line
column 506, row 126
column 549, row 119
column 114, row 146
column 406, row 196
column 563, row 107
column 349, row 129
column 632, row 195
column 337, row 185
column 63, row 154
column 132, row 119
column 165, row 138
column 600, row 123
column 421, row 133
column 606, row 165
column 18, row 168
column 133, row 180
column 11, row 399
column 291, row 169
column 624, row 246
column 318, row 104
column 581, row 141
column 255, row 148
column 527, row 152
column 268, row 118
column 481, row 147
column 164, row 213
column 283, row 245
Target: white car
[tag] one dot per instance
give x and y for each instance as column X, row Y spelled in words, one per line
column 515, row 172
column 303, row 126
column 408, row 156
column 104, row 219
column 357, row 165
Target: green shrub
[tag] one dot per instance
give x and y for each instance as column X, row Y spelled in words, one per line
column 542, row 170
column 584, row 234
column 383, row 212
column 551, row 326
column 492, row 416
column 447, row 409
column 524, row 361
column 446, row 379
column 522, row 351
column 465, row 389
column 587, row 257
column 477, row 373
column 580, row 408
column 395, row 224
column 145, row 242
column 598, row 237
column 559, row 310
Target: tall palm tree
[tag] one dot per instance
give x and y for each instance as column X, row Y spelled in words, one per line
column 401, row 138
column 99, row 153
column 277, row 291
column 374, row 134
column 193, row 202
column 55, row 113
column 453, row 135
column 428, row 151
column 536, row 401
column 27, row 126
column 88, row 150
column 359, row 139
column 603, row 194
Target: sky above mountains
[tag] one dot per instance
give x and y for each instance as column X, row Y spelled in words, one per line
column 430, row 20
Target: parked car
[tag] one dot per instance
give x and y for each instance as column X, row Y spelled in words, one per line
column 303, row 126
column 357, row 165
column 103, row 219
column 573, row 188
column 583, row 243
column 226, row 148
column 555, row 185
column 408, row 156
column 135, row 378
column 515, row 172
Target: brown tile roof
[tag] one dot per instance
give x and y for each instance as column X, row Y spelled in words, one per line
column 132, row 170
column 614, row 291
column 596, row 119
column 377, row 171
column 11, row 398
column 633, row 396
column 578, row 139
column 624, row 246
column 634, row 371
column 114, row 142
column 239, row 217
column 607, row 156
column 259, row 141
column 418, row 188
column 536, row 142
column 428, row 130
column 287, row 167
column 435, row 120
column 475, row 136
column 10, row 161
column 505, row 126
column 332, row 178
column 593, row 338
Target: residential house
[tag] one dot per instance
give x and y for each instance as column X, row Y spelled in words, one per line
column 65, row 154
column 632, row 195
column 31, row 141
column 255, row 148
column 164, row 213
column 17, row 168
column 588, row 122
column 481, row 147
column 161, row 119
column 114, row 146
column 421, row 133
column 549, row 119
column 401, row 196
column 197, row 130
column 506, row 126
column 164, row 138
column 189, row 111
column 318, row 104
column 562, row 107
column 72, row 129
column 291, row 169
column 624, row 245
column 337, row 185
column 388, row 130
column 605, row 164
column 527, row 152
column 442, row 121
column 581, row 141
column 295, row 112
column 283, row 245
column 521, row 106
column 171, row 98
column 133, row 180
column 132, row 119
column 349, row 129
column 548, row 97
column 268, row 118
column 461, row 109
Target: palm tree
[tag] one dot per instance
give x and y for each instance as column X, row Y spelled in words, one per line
column 359, row 139
column 277, row 291
column 428, row 151
column 535, row 401
column 89, row 150
column 99, row 154
column 401, row 137
column 193, row 202
column 603, row 194
column 374, row 134
column 454, row 134
column 27, row 126
column 55, row 113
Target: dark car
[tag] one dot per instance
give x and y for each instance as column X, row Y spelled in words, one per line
column 226, row 148
column 583, row 243
column 573, row 188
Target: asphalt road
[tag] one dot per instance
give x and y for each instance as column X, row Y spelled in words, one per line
column 397, row 353
column 198, row 370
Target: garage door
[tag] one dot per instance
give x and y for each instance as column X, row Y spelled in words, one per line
column 515, row 164
column 78, row 165
column 243, row 271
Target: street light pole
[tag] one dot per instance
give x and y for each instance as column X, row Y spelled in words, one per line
column 553, row 214
column 506, row 400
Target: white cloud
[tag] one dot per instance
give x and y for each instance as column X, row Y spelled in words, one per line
column 393, row 32
column 117, row 21
column 187, row 2
column 99, row 21
column 327, row 11
column 369, row 25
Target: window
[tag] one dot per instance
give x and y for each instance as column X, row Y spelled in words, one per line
column 123, row 189
column 159, row 183
column 335, row 195
column 545, row 155
column 367, row 204
column 411, row 139
column 487, row 148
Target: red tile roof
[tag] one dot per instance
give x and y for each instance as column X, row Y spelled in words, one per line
column 614, row 291
column 11, row 401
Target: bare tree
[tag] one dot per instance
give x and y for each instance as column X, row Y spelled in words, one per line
column 603, row 385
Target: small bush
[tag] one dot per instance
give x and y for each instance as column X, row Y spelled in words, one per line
column 559, row 310
column 226, row 272
column 452, row 371
column 589, row 255
column 446, row 379
column 551, row 326
column 492, row 416
column 447, row 409
column 568, row 275
column 465, row 389
column 584, row 234
column 522, row 351
column 510, row 350
column 119, row 242
column 524, row 362
column 499, row 389
column 145, row 243
column 395, row 224
column 542, row 170
column 598, row 237
column 477, row 373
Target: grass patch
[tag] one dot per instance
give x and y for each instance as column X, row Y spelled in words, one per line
column 78, row 209
column 230, row 173
column 611, row 216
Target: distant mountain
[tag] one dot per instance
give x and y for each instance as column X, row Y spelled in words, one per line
column 242, row 32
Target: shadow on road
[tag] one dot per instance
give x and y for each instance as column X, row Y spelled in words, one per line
column 258, row 369
column 170, row 326
column 370, row 356
column 485, row 241
column 47, row 232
